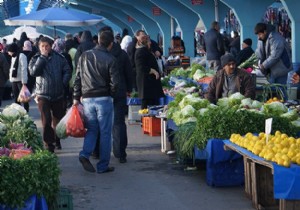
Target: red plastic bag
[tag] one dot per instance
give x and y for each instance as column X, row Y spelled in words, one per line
column 24, row 95
column 75, row 126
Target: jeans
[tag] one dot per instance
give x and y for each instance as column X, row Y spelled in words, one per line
column 98, row 114
column 119, row 128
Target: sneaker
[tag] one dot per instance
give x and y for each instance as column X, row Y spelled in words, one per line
column 109, row 169
column 87, row 164
column 123, row 160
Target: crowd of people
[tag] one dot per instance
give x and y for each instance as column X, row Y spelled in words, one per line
column 97, row 71
column 101, row 71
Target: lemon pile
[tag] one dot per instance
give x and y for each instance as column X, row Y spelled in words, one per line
column 279, row 148
column 143, row 111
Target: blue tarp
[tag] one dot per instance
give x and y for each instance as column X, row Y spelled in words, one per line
column 286, row 180
column 32, row 203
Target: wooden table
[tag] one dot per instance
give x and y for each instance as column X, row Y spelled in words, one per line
column 259, row 185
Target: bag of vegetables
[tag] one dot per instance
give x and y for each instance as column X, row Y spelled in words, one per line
column 61, row 129
column 75, row 126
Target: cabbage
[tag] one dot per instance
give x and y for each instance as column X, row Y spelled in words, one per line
column 223, row 102
column 246, row 102
column 296, row 123
column 198, row 75
column 188, row 111
column 291, row 115
column 256, row 104
column 14, row 110
column 235, row 99
column 202, row 111
column 275, row 108
column 2, row 129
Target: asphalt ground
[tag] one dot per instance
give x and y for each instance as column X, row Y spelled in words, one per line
column 150, row 180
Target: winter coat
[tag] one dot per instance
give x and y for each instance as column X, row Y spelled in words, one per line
column 52, row 73
column 244, row 84
column 4, row 70
column 86, row 43
column 275, row 55
column 125, row 70
column 243, row 55
column 213, row 45
column 148, row 86
column 97, row 74
column 22, row 69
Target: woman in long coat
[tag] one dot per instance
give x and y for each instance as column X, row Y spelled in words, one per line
column 147, row 78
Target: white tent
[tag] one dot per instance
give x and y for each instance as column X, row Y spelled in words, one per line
column 31, row 32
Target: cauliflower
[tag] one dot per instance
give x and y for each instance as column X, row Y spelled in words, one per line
column 14, row 110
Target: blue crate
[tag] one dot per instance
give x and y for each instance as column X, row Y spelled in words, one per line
column 134, row 101
column 200, row 154
column 226, row 174
column 223, row 168
column 168, row 99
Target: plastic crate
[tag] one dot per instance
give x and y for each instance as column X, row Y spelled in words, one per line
column 64, row 200
column 133, row 114
column 151, row 126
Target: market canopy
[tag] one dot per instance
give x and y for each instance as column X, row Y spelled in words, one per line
column 55, row 16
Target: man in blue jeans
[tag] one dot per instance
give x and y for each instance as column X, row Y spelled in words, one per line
column 96, row 82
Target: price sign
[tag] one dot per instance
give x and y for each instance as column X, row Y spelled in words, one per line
column 268, row 127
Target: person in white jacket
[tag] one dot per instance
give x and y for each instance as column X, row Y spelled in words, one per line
column 18, row 72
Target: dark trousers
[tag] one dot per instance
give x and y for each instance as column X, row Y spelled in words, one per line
column 1, row 94
column 119, row 132
column 51, row 113
column 16, row 88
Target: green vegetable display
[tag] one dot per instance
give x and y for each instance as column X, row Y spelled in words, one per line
column 36, row 174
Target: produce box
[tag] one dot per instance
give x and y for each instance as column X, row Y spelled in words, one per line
column 64, row 199
column 133, row 114
column 223, row 168
column 134, row 101
column 151, row 126
column 200, row 154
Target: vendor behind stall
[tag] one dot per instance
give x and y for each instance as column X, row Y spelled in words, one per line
column 230, row 80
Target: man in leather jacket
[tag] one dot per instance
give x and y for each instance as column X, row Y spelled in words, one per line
column 53, row 74
column 96, row 83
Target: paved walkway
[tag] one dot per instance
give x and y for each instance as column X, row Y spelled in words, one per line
column 150, row 180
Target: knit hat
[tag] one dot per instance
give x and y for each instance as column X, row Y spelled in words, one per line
column 27, row 46
column 248, row 41
column 12, row 48
column 227, row 58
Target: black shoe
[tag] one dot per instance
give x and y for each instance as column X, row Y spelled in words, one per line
column 109, row 169
column 123, row 160
column 87, row 164
column 50, row 148
column 58, row 146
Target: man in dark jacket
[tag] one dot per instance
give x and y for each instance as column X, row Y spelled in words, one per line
column 230, row 80
column 97, row 82
column 246, row 51
column 120, row 100
column 213, row 46
column 86, row 43
column 53, row 74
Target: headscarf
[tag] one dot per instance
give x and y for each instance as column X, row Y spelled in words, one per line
column 27, row 46
column 59, row 45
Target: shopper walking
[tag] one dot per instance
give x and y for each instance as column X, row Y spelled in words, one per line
column 273, row 53
column 119, row 132
column 96, row 82
column 4, row 75
column 53, row 74
column 18, row 72
column 27, row 50
column 214, row 46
